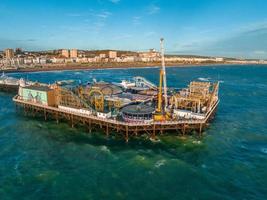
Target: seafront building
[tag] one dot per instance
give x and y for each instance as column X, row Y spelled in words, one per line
column 65, row 53
column 9, row 53
column 20, row 59
column 73, row 53
column 112, row 54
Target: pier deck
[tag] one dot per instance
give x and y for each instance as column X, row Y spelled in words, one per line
column 110, row 125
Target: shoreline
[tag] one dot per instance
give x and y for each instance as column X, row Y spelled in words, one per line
column 100, row 66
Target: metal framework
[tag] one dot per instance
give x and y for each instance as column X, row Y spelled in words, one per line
column 198, row 96
column 109, row 126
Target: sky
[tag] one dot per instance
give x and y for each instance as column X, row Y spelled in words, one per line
column 232, row 28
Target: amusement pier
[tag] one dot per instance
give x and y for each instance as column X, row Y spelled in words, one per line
column 129, row 109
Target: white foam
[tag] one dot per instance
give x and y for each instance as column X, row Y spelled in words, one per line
column 196, row 142
column 203, row 166
column 159, row 163
column 264, row 150
column 105, row 149
column 203, row 79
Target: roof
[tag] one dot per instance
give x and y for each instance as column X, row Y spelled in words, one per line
column 137, row 109
column 107, row 88
column 134, row 97
column 38, row 87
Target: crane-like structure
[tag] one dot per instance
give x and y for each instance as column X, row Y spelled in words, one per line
column 161, row 114
column 164, row 74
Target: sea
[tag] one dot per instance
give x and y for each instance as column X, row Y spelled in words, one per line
column 44, row 160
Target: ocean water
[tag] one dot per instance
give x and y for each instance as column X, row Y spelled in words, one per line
column 43, row 160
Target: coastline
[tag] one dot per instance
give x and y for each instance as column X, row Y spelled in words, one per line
column 99, row 66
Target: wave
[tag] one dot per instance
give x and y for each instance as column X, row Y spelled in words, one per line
column 203, row 79
column 159, row 163
column 105, row 149
column 264, row 150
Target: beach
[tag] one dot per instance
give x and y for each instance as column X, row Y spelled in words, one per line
column 110, row 65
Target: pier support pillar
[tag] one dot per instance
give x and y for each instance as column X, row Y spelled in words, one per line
column 57, row 118
column 107, row 130
column 25, row 110
column 183, row 129
column 200, row 129
column 90, row 126
column 72, row 124
column 126, row 134
column 154, row 132
column 45, row 116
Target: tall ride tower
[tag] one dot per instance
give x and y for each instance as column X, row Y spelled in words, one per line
column 161, row 113
column 164, row 74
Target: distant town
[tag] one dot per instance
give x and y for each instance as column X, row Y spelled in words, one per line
column 18, row 59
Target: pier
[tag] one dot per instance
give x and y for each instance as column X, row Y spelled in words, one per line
column 124, row 129
column 128, row 108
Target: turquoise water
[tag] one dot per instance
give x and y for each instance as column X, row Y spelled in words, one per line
column 43, row 160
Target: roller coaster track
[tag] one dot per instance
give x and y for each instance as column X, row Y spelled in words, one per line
column 77, row 98
column 141, row 82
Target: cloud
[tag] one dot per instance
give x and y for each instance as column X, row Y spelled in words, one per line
column 259, row 52
column 103, row 14
column 245, row 44
column 99, row 14
column 92, row 21
column 153, row 9
column 248, row 41
column 101, row 19
column 136, row 20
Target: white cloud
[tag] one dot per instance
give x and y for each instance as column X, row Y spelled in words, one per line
column 153, row 9
column 103, row 14
column 259, row 52
column 93, row 21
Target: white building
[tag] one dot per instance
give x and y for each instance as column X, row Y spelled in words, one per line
column 112, row 54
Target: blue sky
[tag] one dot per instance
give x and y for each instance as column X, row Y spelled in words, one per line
column 235, row 28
